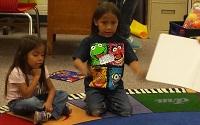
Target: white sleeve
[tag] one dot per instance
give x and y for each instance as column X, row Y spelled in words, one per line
column 16, row 76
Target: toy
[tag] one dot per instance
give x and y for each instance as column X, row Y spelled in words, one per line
column 193, row 19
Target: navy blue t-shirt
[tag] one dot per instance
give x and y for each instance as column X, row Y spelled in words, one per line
column 106, row 58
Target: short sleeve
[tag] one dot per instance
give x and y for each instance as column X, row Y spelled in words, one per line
column 83, row 51
column 130, row 56
column 16, row 76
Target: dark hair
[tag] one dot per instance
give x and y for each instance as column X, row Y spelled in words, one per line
column 27, row 44
column 104, row 7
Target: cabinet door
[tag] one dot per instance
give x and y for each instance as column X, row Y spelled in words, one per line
column 71, row 16
column 162, row 13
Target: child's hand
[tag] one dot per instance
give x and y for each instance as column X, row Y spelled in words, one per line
column 86, row 72
column 198, row 38
column 36, row 73
column 48, row 107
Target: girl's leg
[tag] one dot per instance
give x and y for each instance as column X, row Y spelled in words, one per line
column 118, row 103
column 59, row 104
column 95, row 102
column 26, row 106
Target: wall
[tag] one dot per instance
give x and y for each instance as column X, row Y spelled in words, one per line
column 42, row 6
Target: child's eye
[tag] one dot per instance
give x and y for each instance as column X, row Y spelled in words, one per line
column 35, row 54
column 113, row 23
column 104, row 22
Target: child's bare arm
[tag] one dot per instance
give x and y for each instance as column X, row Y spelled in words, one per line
column 27, row 90
column 51, row 94
column 81, row 66
column 137, row 69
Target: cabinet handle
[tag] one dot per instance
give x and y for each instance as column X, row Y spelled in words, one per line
column 168, row 11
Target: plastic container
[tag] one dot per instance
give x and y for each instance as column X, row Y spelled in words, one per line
column 176, row 28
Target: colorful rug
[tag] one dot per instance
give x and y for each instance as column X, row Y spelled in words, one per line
column 8, row 119
column 166, row 106
column 173, row 102
column 175, row 118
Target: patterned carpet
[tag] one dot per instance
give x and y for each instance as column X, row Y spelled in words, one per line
column 145, row 102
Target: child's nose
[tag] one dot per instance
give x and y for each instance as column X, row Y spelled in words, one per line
column 109, row 26
column 41, row 58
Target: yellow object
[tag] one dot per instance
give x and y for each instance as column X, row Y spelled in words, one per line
column 139, row 29
column 28, row 1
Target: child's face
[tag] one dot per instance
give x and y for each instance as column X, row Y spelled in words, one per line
column 35, row 57
column 107, row 24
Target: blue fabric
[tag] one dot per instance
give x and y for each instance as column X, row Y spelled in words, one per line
column 30, row 105
column 173, row 118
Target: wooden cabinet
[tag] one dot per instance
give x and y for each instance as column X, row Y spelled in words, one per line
column 69, row 17
column 161, row 12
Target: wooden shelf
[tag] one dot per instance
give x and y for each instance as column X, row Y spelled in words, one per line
column 69, row 17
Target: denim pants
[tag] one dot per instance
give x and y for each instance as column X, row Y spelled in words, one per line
column 127, row 9
column 30, row 105
column 101, row 100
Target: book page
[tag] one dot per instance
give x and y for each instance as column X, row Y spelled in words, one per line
column 176, row 61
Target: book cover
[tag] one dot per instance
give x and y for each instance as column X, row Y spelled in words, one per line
column 66, row 75
column 176, row 60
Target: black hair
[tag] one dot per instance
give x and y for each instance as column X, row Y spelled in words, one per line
column 27, row 43
column 104, row 7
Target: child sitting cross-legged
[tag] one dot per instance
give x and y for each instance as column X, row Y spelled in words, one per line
column 28, row 88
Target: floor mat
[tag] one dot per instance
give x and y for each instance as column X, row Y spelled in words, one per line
column 173, row 118
column 138, row 108
column 145, row 102
column 78, row 115
column 8, row 119
column 170, row 102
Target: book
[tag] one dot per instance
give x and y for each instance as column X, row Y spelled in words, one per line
column 66, row 75
column 176, row 60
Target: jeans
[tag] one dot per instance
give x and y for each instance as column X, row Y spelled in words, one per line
column 127, row 9
column 30, row 105
column 98, row 101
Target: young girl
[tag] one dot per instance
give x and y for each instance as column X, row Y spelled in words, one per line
column 28, row 87
column 101, row 57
